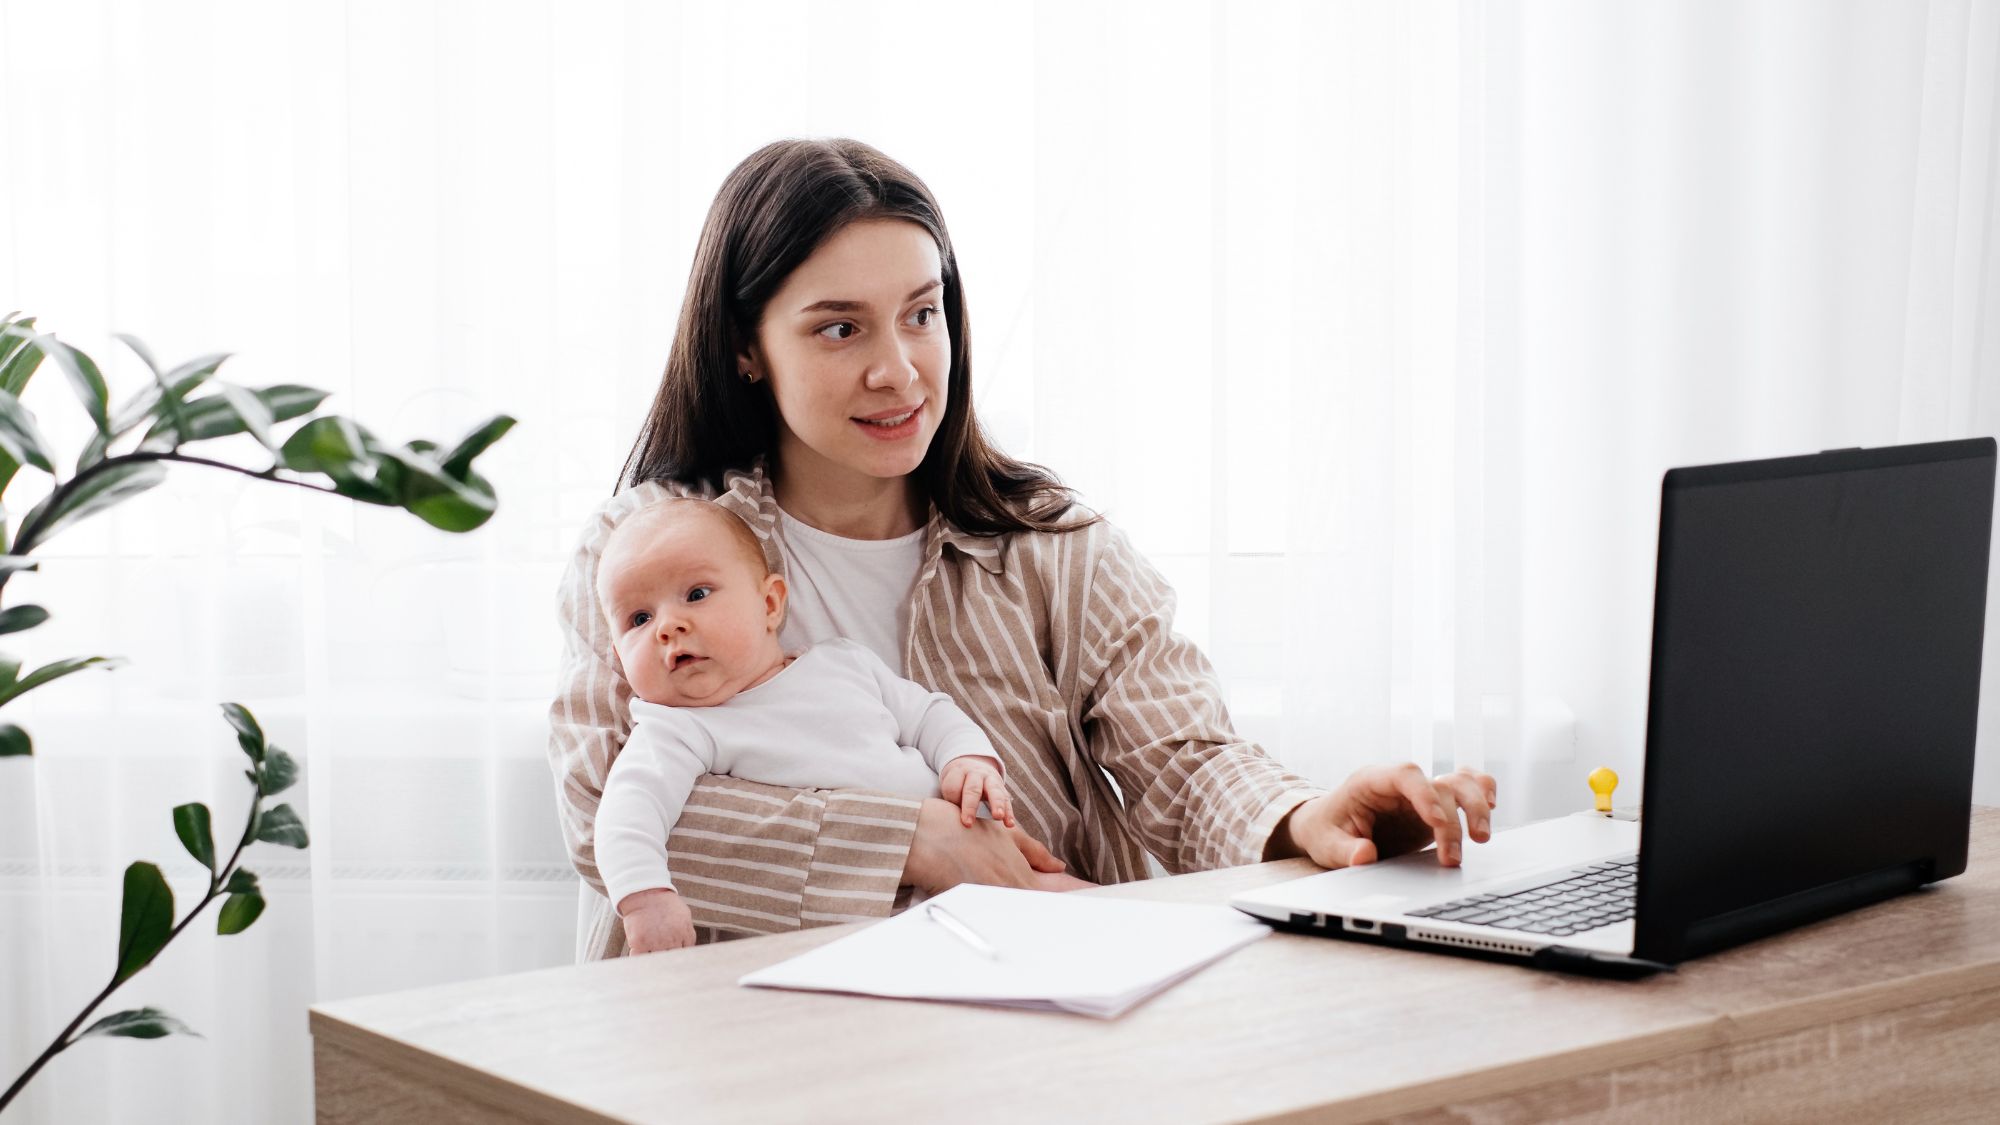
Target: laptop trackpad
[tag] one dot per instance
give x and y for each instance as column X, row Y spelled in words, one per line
column 1412, row 880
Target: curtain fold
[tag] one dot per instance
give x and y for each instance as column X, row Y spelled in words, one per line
column 1375, row 324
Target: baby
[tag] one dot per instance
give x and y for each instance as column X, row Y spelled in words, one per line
column 695, row 612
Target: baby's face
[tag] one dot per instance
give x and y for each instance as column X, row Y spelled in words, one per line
column 695, row 621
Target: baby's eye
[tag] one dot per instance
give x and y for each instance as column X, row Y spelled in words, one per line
column 640, row 618
column 700, row 592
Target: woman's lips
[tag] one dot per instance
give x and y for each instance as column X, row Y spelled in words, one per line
column 880, row 431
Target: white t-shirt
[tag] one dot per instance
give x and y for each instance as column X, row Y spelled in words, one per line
column 834, row 718
column 853, row 588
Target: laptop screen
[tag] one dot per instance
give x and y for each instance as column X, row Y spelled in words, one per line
column 1817, row 631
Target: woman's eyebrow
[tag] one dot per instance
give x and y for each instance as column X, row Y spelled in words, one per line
column 855, row 306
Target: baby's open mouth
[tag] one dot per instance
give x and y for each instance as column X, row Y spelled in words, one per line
column 683, row 658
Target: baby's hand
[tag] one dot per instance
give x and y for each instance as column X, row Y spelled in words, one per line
column 655, row 920
column 966, row 780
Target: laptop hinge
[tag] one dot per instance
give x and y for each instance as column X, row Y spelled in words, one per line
column 1591, row 962
column 1751, row 922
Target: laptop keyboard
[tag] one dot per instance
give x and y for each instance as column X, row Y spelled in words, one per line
column 1596, row 896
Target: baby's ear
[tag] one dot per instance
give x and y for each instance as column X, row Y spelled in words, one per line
column 774, row 600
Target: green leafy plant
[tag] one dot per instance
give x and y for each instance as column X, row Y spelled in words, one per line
column 153, row 427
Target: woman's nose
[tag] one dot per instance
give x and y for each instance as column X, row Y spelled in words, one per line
column 893, row 372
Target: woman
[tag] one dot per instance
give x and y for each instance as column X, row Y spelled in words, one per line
column 820, row 386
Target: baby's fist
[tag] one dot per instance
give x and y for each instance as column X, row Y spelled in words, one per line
column 968, row 780
column 655, row 920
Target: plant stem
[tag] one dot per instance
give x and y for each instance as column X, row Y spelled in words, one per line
column 29, row 532
column 61, row 1041
column 216, row 881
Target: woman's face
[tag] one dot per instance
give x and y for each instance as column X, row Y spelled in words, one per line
column 856, row 353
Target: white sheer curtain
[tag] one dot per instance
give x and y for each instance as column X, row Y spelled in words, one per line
column 1374, row 323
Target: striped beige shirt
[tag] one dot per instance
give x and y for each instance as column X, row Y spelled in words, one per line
column 1060, row 645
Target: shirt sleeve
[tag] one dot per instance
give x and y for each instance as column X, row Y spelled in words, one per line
column 747, row 857
column 1198, row 794
column 643, row 798
column 928, row 720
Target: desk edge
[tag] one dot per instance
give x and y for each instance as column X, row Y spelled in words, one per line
column 444, row 1071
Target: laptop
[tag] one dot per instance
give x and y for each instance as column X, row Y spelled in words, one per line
column 1817, row 627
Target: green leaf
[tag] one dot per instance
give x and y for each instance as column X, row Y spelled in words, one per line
column 249, row 735
column 344, row 451
column 238, row 911
column 281, row 825
column 279, row 772
column 365, row 493
column 251, row 411
column 22, row 617
column 437, row 499
column 83, row 377
column 14, row 742
column 194, row 372
column 213, row 417
column 10, row 671
column 139, row 349
column 93, row 451
column 191, row 825
column 139, row 1023
column 22, row 355
column 100, row 490
column 242, row 882
column 169, row 402
column 56, row 670
column 11, row 563
column 459, row 460
column 147, row 920
column 179, row 382
column 20, row 438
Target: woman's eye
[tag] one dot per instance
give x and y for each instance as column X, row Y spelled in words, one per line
column 700, row 592
column 931, row 321
column 639, row 619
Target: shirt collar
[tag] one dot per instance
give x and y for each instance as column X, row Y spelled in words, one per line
column 941, row 532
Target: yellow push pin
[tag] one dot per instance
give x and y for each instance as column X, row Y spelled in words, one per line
column 1602, row 781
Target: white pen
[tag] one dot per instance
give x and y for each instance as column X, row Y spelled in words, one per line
column 960, row 930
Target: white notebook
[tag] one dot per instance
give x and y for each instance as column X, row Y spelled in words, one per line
column 1065, row 952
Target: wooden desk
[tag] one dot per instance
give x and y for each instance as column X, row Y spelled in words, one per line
column 1889, row 1013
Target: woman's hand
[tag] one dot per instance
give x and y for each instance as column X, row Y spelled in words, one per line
column 1381, row 811
column 945, row 853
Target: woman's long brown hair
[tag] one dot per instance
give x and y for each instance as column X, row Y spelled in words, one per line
column 772, row 212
